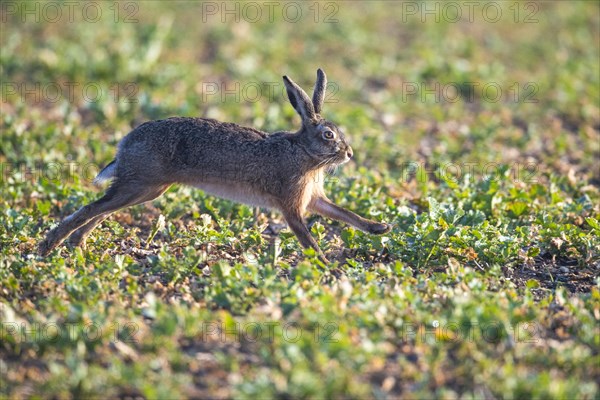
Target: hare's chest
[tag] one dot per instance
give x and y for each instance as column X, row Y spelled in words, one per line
column 312, row 189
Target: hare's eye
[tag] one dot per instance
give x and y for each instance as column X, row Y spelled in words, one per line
column 328, row 135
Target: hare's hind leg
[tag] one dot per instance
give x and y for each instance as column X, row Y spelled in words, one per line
column 119, row 195
column 78, row 237
column 325, row 207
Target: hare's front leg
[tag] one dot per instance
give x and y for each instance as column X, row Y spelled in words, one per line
column 325, row 207
column 297, row 225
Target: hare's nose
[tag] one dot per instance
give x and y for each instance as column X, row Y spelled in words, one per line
column 349, row 152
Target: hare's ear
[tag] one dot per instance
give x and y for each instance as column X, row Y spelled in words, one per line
column 319, row 92
column 300, row 100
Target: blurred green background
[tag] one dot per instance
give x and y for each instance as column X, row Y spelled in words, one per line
column 476, row 132
column 539, row 59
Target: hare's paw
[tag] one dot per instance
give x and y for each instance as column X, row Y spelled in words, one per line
column 379, row 228
column 44, row 248
column 49, row 243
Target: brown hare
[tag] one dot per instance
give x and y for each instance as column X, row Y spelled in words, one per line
column 283, row 170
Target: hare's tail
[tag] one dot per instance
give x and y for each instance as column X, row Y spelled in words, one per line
column 107, row 173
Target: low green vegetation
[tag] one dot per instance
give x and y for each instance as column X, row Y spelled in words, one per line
column 487, row 286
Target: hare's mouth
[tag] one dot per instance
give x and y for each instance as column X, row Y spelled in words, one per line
column 341, row 158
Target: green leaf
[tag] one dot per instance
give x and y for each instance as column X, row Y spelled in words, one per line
column 160, row 224
column 434, row 208
column 532, row 284
column 517, row 208
column 44, row 207
column 593, row 222
column 533, row 251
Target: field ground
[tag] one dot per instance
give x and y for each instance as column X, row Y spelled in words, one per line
column 478, row 141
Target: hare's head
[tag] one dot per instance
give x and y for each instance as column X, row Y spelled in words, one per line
column 321, row 139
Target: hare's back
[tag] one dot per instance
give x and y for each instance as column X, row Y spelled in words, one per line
column 192, row 128
column 173, row 145
column 186, row 136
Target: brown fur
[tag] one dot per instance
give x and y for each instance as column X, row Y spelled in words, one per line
column 283, row 170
